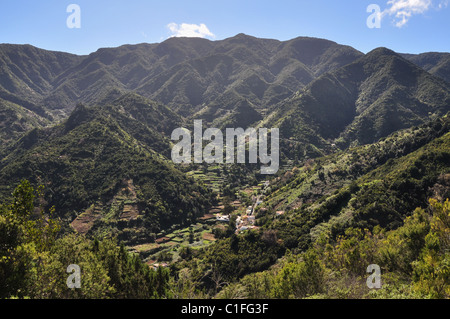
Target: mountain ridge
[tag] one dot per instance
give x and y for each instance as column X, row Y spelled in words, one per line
column 363, row 101
column 131, row 67
column 88, row 158
column 188, row 74
column 364, row 141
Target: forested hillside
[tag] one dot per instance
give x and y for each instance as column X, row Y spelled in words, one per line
column 86, row 175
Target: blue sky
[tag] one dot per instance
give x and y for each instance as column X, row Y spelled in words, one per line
column 411, row 26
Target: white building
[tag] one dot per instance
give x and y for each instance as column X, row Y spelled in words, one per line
column 223, row 218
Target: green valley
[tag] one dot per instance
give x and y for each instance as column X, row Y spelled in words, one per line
column 87, row 178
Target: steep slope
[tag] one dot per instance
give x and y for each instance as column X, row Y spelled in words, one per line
column 187, row 74
column 15, row 120
column 262, row 71
column 376, row 184
column 229, row 110
column 124, row 68
column 362, row 102
column 436, row 63
column 28, row 74
column 150, row 113
column 107, row 165
column 311, row 206
column 29, row 71
column 319, row 55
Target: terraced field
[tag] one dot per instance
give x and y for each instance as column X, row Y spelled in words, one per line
column 210, row 176
column 196, row 236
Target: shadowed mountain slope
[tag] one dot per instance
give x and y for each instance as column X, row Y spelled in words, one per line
column 362, row 102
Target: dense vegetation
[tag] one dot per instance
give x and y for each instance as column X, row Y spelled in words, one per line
column 186, row 74
column 367, row 186
column 34, row 259
column 374, row 96
column 437, row 63
column 364, row 176
column 86, row 161
column 414, row 261
column 328, row 214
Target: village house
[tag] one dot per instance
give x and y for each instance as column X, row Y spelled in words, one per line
column 223, row 218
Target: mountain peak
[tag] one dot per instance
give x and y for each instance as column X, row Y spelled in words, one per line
column 382, row 51
column 79, row 115
column 248, row 39
column 242, row 35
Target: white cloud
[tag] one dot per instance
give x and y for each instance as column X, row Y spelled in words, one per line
column 443, row 4
column 403, row 10
column 189, row 30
